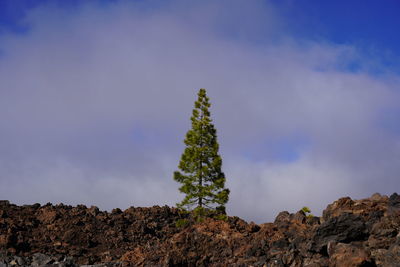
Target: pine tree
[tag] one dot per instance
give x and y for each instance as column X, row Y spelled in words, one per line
column 201, row 176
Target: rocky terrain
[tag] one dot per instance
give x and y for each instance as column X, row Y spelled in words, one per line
column 350, row 232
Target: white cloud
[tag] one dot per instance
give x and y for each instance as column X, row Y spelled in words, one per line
column 262, row 190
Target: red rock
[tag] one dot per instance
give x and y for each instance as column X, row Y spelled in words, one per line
column 351, row 232
column 347, row 255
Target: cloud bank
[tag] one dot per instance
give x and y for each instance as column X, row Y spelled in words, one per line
column 95, row 102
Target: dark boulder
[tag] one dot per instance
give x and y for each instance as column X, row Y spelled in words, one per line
column 394, row 205
column 345, row 228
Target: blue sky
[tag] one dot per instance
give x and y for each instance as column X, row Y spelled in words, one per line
column 367, row 23
column 370, row 25
column 95, row 100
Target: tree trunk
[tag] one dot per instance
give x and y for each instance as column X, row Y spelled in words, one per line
column 201, row 161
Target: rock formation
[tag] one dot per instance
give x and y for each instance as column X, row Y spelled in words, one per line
column 350, row 233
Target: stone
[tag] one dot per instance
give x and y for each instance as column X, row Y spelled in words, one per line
column 47, row 216
column 94, row 210
column 4, row 203
column 299, row 217
column 313, row 220
column 342, row 205
column 350, row 233
column 348, row 255
column 20, row 261
column 283, row 216
column 4, row 240
column 394, row 205
column 345, row 228
column 40, row 259
column 376, row 197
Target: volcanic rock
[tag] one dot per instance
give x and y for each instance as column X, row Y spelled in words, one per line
column 350, row 233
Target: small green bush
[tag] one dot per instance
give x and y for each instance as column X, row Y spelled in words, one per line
column 307, row 211
column 181, row 223
column 221, row 217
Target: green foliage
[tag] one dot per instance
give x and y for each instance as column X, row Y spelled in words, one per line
column 221, row 217
column 307, row 211
column 181, row 223
column 200, row 175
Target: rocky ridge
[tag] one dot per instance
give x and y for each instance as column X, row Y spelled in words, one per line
column 350, row 232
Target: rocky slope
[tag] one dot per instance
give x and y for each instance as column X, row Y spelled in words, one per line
column 350, row 233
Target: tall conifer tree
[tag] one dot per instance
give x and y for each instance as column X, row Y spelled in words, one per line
column 201, row 176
